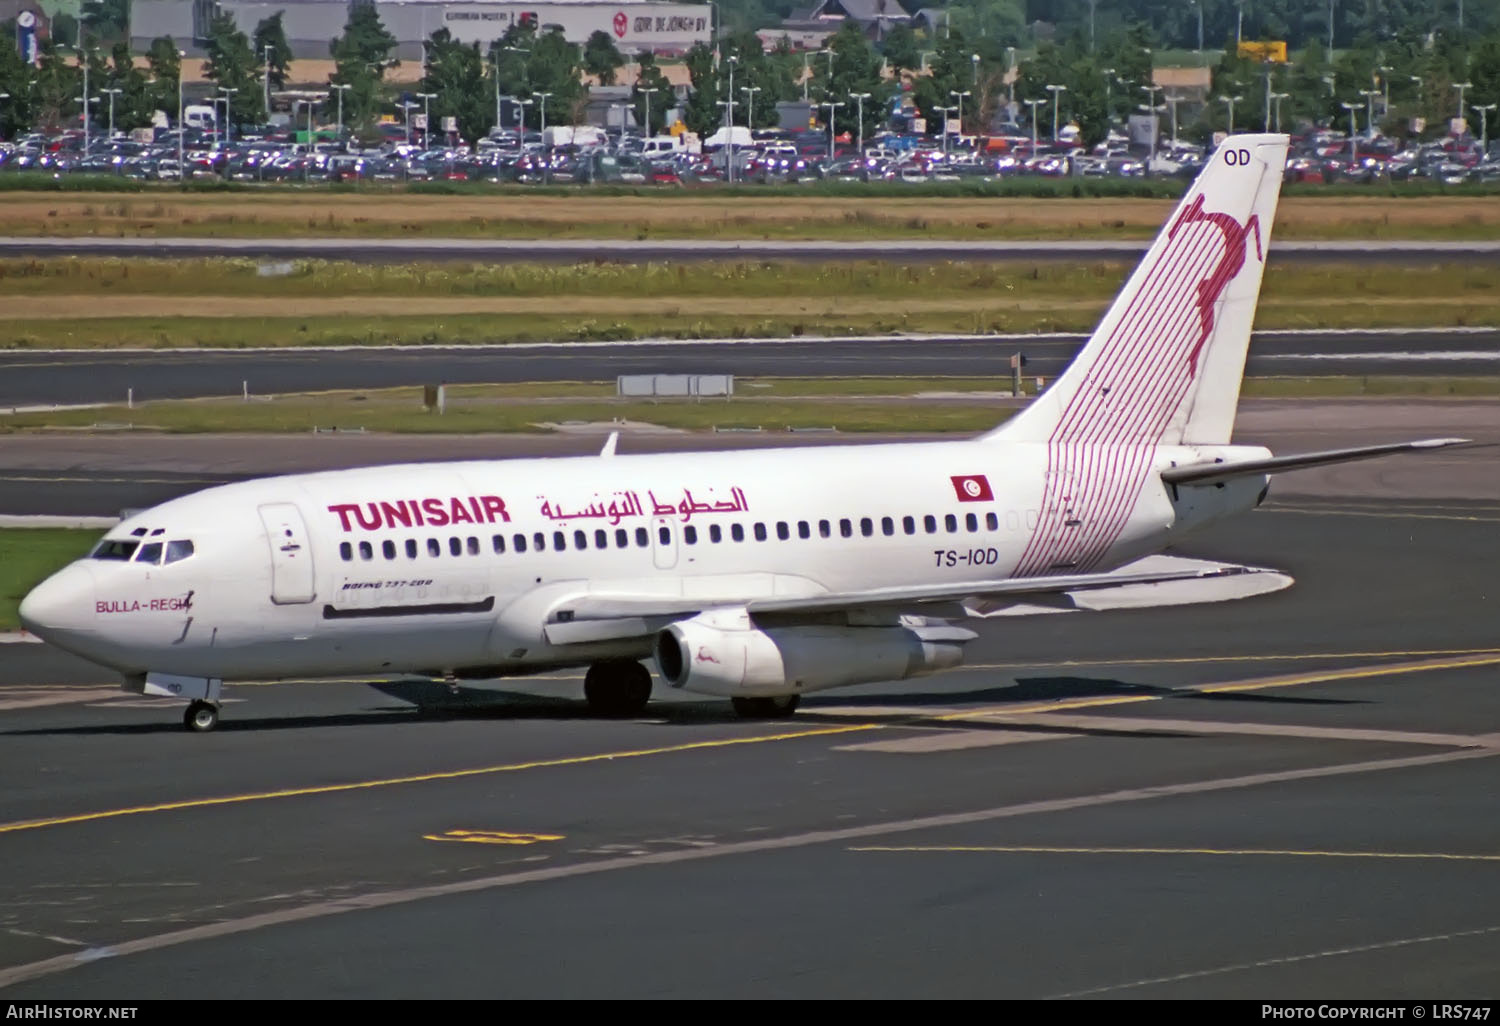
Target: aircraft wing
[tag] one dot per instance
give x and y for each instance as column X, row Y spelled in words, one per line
column 1153, row 581
column 1215, row 472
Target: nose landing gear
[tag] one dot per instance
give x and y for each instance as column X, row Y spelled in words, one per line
column 201, row 716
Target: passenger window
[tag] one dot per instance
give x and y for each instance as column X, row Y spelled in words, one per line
column 580, row 540
column 951, row 523
column 181, row 548
column 866, row 526
column 664, row 535
column 365, row 551
column 539, row 542
column 760, row 532
column 389, row 548
column 456, row 546
column 783, row 532
column 641, row 537
column 473, row 545
column 909, row 525
column 992, row 522
column 411, row 548
column 887, row 526
column 433, row 547
column 519, row 542
column 846, row 529
column 971, row 521
column 499, row 541
column 559, row 541
column 346, row 551
column 149, row 553
column 115, row 549
column 622, row 538
column 929, row 524
column 737, row 532
column 690, row 534
column 803, row 531
column 715, row 534
column 601, row 539
column 824, row 530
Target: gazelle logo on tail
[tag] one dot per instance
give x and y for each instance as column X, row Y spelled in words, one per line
column 1236, row 245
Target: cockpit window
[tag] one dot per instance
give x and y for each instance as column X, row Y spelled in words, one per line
column 180, row 549
column 115, row 548
column 149, row 553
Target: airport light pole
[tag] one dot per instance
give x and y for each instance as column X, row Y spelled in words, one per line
column 833, row 133
column 228, row 95
column 112, row 93
column 1385, row 82
column 1460, row 86
column 546, row 148
column 181, row 171
column 1172, row 102
column 959, row 96
column 974, row 59
column 859, row 106
column 341, row 89
column 1230, row 101
column 1278, row 97
column 267, row 50
column 1056, row 91
column 647, row 94
column 1484, row 128
column 734, row 59
column 749, row 92
column 1353, row 132
column 426, row 118
column 1033, row 104
column 406, row 106
column 1370, row 95
column 945, row 112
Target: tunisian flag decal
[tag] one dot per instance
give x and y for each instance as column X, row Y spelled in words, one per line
column 973, row 488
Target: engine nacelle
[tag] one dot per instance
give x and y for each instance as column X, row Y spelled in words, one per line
column 722, row 652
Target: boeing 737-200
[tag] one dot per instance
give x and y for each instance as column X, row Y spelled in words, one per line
column 756, row 576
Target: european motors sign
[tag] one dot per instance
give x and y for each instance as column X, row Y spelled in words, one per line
column 633, row 26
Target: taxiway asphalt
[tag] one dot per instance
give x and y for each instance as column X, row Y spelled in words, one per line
column 63, row 377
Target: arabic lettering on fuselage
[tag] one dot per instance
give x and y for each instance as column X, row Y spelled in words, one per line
column 622, row 505
column 432, row 512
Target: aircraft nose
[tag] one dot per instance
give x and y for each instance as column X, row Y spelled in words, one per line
column 62, row 603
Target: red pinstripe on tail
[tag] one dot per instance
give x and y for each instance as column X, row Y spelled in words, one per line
column 1164, row 365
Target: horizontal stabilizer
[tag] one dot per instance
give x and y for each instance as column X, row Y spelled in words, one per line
column 1213, row 473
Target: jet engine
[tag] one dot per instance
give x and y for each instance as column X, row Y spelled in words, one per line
column 723, row 652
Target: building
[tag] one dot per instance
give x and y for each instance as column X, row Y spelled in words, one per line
column 635, row 25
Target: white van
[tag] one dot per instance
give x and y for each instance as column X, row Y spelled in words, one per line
column 198, row 116
column 661, row 146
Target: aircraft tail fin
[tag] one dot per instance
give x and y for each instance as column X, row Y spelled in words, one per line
column 1165, row 363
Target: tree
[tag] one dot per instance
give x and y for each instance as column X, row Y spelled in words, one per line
column 232, row 66
column 270, row 41
column 701, row 113
column 134, row 104
column 361, row 56
column 855, row 69
column 17, row 78
column 553, row 68
column 106, row 20
column 166, row 69
column 660, row 101
column 455, row 73
column 58, row 83
column 900, row 49
column 601, row 58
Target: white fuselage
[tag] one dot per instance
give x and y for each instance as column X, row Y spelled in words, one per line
column 454, row 567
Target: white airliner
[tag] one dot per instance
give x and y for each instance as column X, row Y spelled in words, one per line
column 756, row 576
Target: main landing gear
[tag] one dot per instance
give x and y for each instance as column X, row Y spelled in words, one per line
column 780, row 707
column 618, row 687
column 201, row 717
